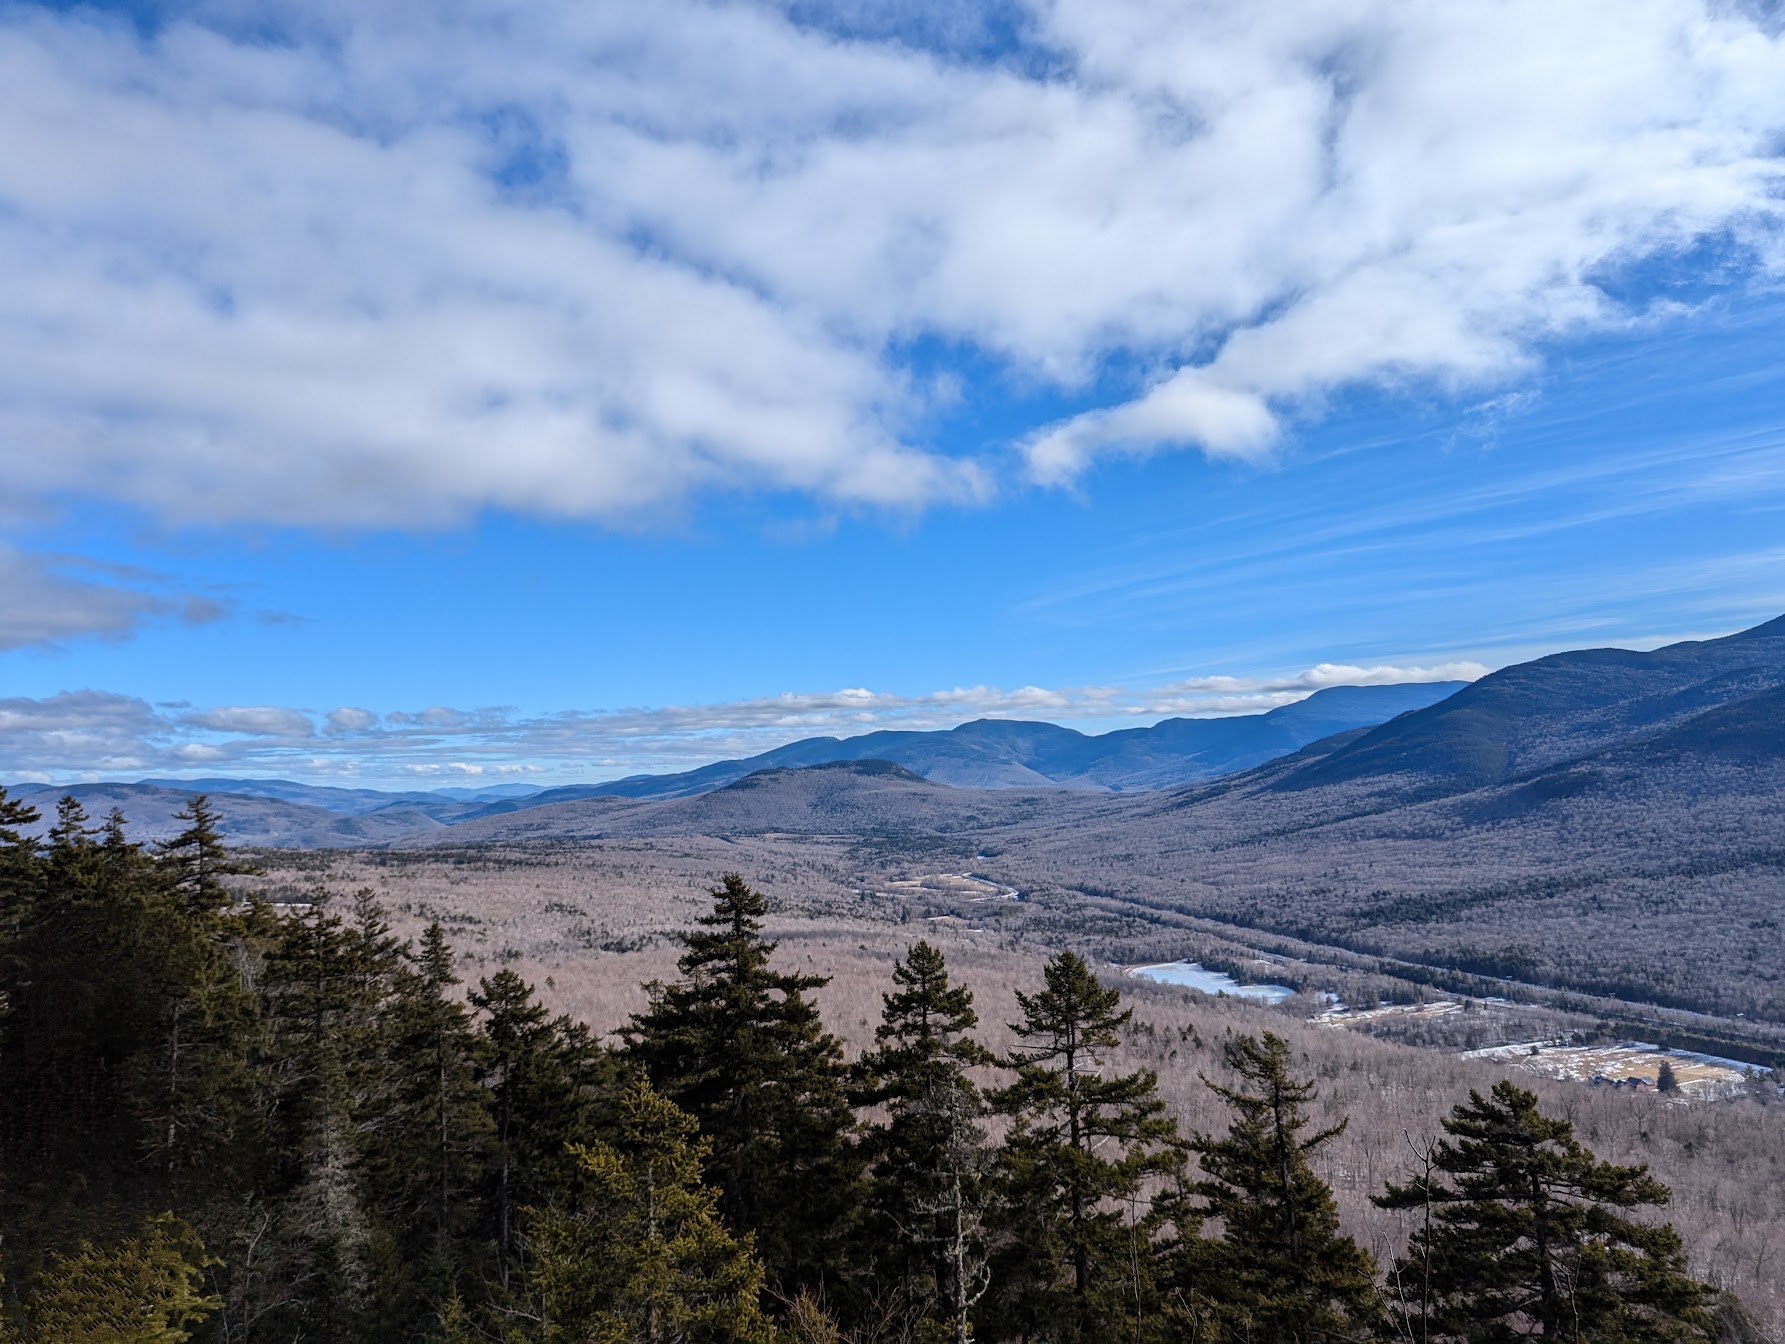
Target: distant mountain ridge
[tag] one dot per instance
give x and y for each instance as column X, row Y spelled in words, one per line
column 1015, row 753
column 984, row 754
column 1660, row 735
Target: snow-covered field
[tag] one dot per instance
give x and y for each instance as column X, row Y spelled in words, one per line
column 1634, row 1064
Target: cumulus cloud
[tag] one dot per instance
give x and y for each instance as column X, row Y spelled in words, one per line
column 92, row 733
column 1184, row 410
column 379, row 264
column 1199, row 696
column 255, row 720
column 48, row 600
column 78, row 731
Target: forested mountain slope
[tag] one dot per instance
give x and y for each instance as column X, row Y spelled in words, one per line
column 1567, row 707
column 1603, row 820
column 858, row 798
column 250, row 819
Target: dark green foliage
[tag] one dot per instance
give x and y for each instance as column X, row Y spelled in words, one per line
column 740, row 1046
column 547, row 1085
column 18, row 866
column 196, row 861
column 644, row 1256
column 126, row 1040
column 1521, row 1232
column 76, row 863
column 144, row 1289
column 328, row 1085
column 1079, row 1231
column 427, row 1159
column 1281, row 1269
column 929, row 1159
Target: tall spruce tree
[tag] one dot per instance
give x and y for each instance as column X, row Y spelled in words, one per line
column 1085, row 1146
column 1281, row 1272
column 196, row 859
column 76, row 862
column 741, row 1047
column 523, row 1084
column 929, row 1159
column 426, row 1160
column 546, row 1082
column 644, row 1256
column 305, row 1260
column 1522, row 1233
column 20, row 880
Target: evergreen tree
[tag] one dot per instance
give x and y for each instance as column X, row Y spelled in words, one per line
column 740, row 1047
column 1083, row 1147
column 929, row 1159
column 545, row 1083
column 645, row 1258
column 119, row 853
column 197, row 1091
column 313, row 1231
column 123, row 1060
column 196, row 860
column 427, row 1158
column 19, row 870
column 145, row 1289
column 1523, row 1233
column 522, row 1069
column 1281, row 1271
column 75, row 860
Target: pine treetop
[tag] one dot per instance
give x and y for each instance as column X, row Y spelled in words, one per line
column 15, row 815
column 196, row 858
column 924, row 1029
column 1282, row 1268
column 1074, row 1013
column 1527, row 1233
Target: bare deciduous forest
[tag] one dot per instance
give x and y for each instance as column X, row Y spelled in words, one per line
column 590, row 922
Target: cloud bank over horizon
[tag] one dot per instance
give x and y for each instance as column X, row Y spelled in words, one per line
column 80, row 736
column 378, row 265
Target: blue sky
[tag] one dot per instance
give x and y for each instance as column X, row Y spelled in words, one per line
column 466, row 393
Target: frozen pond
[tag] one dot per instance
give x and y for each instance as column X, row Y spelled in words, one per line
column 1192, row 976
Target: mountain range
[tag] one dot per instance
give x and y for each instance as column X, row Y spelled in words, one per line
column 1558, row 714
column 984, row 754
column 1599, row 820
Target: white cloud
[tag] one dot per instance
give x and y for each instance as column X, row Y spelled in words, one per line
column 90, row 733
column 78, row 731
column 1200, row 696
column 584, row 260
column 348, row 719
column 1185, row 409
column 48, row 600
column 253, row 720
column 1323, row 675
